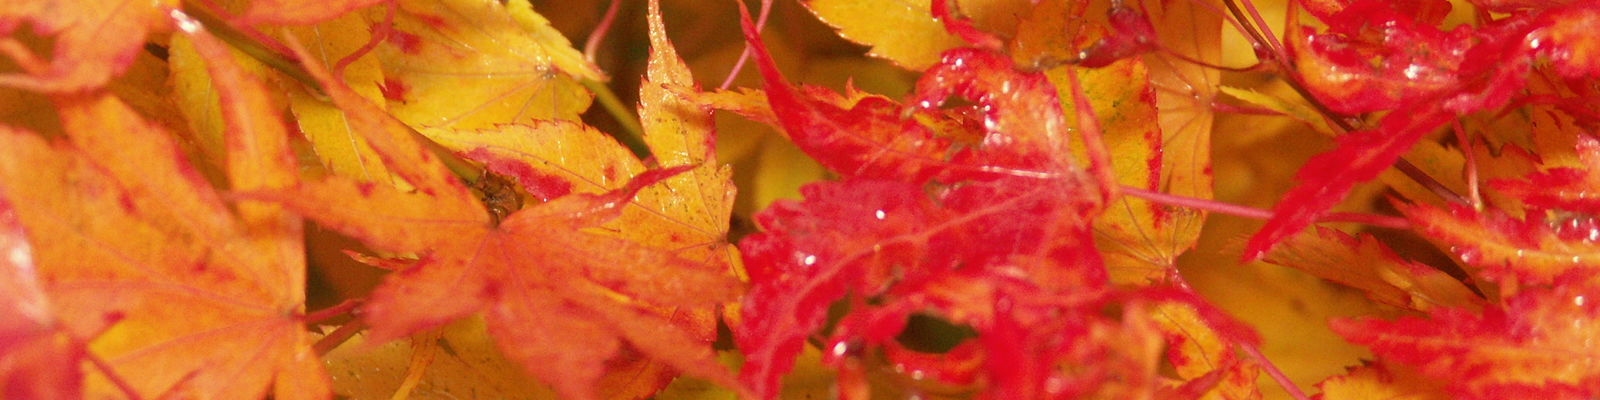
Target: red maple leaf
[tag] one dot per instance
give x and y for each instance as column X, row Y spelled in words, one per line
column 1539, row 345
column 1494, row 62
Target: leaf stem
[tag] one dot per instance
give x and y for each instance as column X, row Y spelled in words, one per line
column 331, row 312
column 633, row 133
column 1297, row 83
column 592, row 46
column 1273, row 371
column 333, row 339
column 1266, row 30
column 1465, row 140
column 761, row 21
column 1257, row 213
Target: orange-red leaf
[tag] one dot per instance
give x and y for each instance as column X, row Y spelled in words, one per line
column 1539, row 345
column 35, row 363
column 94, row 40
column 164, row 298
column 547, row 277
column 1572, row 189
column 1327, row 178
column 1364, row 263
column 1532, row 251
column 1380, row 382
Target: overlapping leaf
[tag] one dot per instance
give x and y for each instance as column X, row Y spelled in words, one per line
column 1495, row 60
column 471, row 64
column 1540, row 345
column 35, row 362
column 549, row 283
column 1572, row 189
column 1365, row 264
column 142, row 258
column 906, row 32
column 94, row 40
column 1500, row 247
column 1380, row 382
column 868, row 241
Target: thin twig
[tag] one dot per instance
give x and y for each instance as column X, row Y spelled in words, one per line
column 592, row 46
column 1465, row 140
column 1274, row 372
column 1257, row 213
column 333, row 339
column 1339, row 121
column 330, row 312
column 1280, row 52
column 761, row 22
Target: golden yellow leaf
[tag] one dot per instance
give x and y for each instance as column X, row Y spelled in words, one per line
column 343, row 151
column 470, row 64
column 905, row 32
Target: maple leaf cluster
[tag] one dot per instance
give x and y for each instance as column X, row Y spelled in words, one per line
column 1009, row 228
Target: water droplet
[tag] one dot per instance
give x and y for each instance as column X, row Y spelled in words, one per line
column 840, row 349
column 185, row 23
column 880, row 215
column 810, row 260
column 1577, row 300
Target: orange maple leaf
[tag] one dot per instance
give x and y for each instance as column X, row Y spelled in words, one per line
column 560, row 296
column 182, row 295
column 94, row 40
column 34, row 362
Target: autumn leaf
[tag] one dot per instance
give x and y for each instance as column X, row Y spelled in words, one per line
column 85, row 55
column 342, row 150
column 35, row 361
column 593, row 291
column 1206, row 361
column 1356, row 67
column 1476, row 83
column 1538, row 345
column 124, row 229
column 470, row 64
column 300, row 12
column 1499, row 247
column 1562, row 188
column 1380, row 382
column 1363, row 263
column 906, row 32
column 1155, row 119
